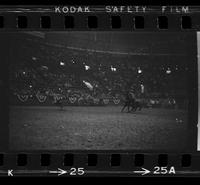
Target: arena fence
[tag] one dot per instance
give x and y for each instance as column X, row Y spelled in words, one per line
column 45, row 100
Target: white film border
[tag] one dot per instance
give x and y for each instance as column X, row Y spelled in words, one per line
column 198, row 54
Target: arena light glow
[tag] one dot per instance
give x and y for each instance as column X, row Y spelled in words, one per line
column 168, row 71
column 34, row 58
column 87, row 67
column 113, row 68
column 139, row 71
column 62, row 63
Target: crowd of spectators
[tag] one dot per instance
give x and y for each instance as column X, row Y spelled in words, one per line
column 54, row 70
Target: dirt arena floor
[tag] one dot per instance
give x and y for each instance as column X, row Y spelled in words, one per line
column 96, row 128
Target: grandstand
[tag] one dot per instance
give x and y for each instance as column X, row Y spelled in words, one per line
column 98, row 66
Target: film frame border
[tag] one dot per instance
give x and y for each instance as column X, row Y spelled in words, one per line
column 120, row 159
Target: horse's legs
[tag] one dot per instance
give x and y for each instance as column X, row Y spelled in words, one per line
column 128, row 106
column 132, row 106
column 123, row 107
column 134, row 109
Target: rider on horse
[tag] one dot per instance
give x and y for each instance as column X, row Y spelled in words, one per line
column 133, row 98
column 130, row 101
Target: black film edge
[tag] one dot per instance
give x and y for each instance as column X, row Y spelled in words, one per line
column 99, row 91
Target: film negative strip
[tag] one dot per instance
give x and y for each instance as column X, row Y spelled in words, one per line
column 99, row 91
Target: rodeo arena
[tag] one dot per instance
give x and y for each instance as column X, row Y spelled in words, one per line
column 98, row 91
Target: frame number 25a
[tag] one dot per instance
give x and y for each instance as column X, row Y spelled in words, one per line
column 164, row 170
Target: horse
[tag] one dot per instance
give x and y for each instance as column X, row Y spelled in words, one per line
column 131, row 102
column 136, row 106
column 127, row 103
